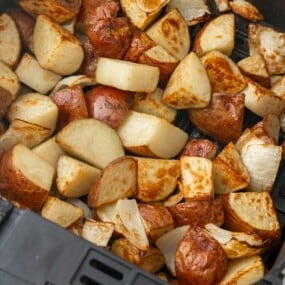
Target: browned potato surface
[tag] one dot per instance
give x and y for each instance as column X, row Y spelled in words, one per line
column 6, row 99
column 107, row 104
column 200, row 259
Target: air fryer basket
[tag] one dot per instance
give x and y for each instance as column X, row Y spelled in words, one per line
column 35, row 251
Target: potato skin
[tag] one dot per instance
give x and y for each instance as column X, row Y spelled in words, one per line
column 71, row 105
column 17, row 188
column 222, row 119
column 6, row 99
column 200, row 259
column 107, row 104
column 198, row 213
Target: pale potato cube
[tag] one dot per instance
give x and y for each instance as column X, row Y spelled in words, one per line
column 34, row 76
column 156, row 178
column 160, row 138
column 74, row 177
column 126, row 75
column 197, row 178
column 11, row 45
column 98, row 233
column 55, row 48
column 60, row 212
column 34, row 108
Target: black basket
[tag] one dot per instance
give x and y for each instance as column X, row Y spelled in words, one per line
column 38, row 252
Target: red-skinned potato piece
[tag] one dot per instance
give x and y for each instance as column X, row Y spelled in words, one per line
column 71, row 105
column 93, row 10
column 222, row 119
column 200, row 259
column 25, row 25
column 111, row 37
column 198, row 213
column 200, row 147
column 107, row 104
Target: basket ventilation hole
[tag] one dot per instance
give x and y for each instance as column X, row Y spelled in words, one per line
column 106, row 269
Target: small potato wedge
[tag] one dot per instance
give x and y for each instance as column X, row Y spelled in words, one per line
column 26, row 133
column 155, row 130
column 197, row 178
column 74, row 80
column 71, row 105
column 128, row 223
column 96, row 232
column 255, row 67
column 34, row 76
column 182, row 90
column 197, row 213
column 126, row 75
column 49, row 151
column 252, row 212
column 230, row 173
column 224, row 75
column 58, row 11
column 151, row 103
column 171, row 32
column 156, row 220
column 160, row 57
column 246, row 10
column 156, row 178
column 20, row 182
column 262, row 101
column 91, row 141
column 150, row 260
column 194, row 12
column 222, row 119
column 74, row 178
column 11, row 45
column 34, row 108
column 9, row 80
column 217, row 34
column 60, row 212
column 237, row 244
column 117, row 181
column 248, row 270
column 53, row 45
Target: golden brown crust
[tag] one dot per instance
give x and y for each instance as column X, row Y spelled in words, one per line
column 15, row 187
column 200, row 259
column 198, row 213
column 222, row 119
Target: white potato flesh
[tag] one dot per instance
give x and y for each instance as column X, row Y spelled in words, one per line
column 197, row 178
column 149, row 135
column 9, row 80
column 49, row 151
column 11, row 46
column 182, row 90
column 55, row 48
column 31, row 73
column 151, row 103
column 171, row 32
column 60, row 212
column 262, row 162
column 35, row 108
column 72, row 80
column 128, row 222
column 126, row 75
column 168, row 245
column 74, row 177
column 31, row 166
column 92, row 141
column 23, row 132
